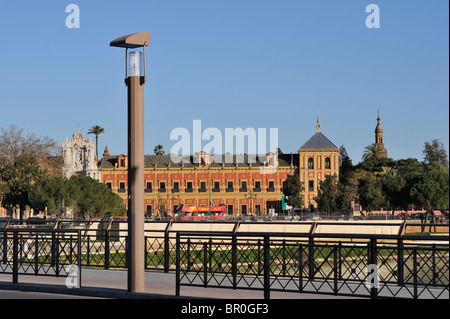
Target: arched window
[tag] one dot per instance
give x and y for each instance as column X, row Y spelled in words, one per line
column 310, row 163
column 327, row 163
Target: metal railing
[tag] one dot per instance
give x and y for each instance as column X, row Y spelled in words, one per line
column 39, row 253
column 357, row 265
column 406, row 266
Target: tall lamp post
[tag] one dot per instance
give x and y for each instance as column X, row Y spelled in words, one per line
column 134, row 80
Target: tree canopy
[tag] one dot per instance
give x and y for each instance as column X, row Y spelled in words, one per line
column 292, row 188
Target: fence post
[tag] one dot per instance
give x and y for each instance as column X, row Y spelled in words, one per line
column 336, row 270
column 300, row 266
column 373, row 261
column 205, row 264
column 5, row 246
column 79, row 257
column 415, row 272
column 234, row 260
column 311, row 258
column 177, row 265
column 15, row 257
column 36, row 254
column 266, row 267
column 166, row 251
column 107, row 246
column 400, row 257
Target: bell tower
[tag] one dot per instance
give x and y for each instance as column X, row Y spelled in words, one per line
column 382, row 152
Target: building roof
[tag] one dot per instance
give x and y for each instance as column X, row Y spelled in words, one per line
column 318, row 141
column 241, row 161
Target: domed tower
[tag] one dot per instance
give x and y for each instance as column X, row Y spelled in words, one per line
column 382, row 152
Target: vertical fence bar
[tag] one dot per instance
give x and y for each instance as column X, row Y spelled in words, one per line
column 53, row 249
column 88, row 251
column 36, row 254
column 311, row 258
column 415, row 294
column 234, row 260
column 336, row 270
column 266, row 266
column 284, row 257
column 177, row 265
column 15, row 258
column 79, row 251
column 107, row 248
column 205, row 264
column 56, row 252
column 433, row 252
column 300, row 268
column 70, row 249
column 5, row 246
column 188, row 254
column 400, row 262
column 373, row 261
column 166, row 252
column 259, row 257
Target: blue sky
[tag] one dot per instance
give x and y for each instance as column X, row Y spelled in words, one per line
column 234, row 63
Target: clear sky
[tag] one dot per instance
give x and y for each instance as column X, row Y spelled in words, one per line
column 232, row 63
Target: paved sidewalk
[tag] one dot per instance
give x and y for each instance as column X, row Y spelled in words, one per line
column 113, row 284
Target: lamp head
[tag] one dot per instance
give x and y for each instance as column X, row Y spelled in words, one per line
column 132, row 41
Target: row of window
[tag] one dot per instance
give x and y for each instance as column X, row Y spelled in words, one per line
column 245, row 210
column 190, row 189
column 327, row 163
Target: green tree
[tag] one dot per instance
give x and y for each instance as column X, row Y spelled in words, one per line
column 17, row 181
column 393, row 189
column 158, row 150
column 370, row 192
column 56, row 194
column 430, row 190
column 345, row 166
column 97, row 130
column 94, row 199
column 435, row 152
column 331, row 196
column 292, row 188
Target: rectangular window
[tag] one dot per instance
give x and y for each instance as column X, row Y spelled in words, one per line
column 162, row 187
column 189, row 187
column 244, row 209
column 176, row 187
column 271, row 187
column 257, row 186
column 311, row 186
column 230, row 187
column 216, row 187
column 202, row 188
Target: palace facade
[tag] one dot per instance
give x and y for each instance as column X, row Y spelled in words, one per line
column 245, row 185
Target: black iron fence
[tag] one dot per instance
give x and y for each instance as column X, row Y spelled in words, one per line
column 360, row 265
column 40, row 253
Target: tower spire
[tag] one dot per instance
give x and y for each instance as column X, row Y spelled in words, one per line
column 318, row 123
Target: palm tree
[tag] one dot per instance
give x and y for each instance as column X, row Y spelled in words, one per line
column 371, row 151
column 97, row 130
column 159, row 150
